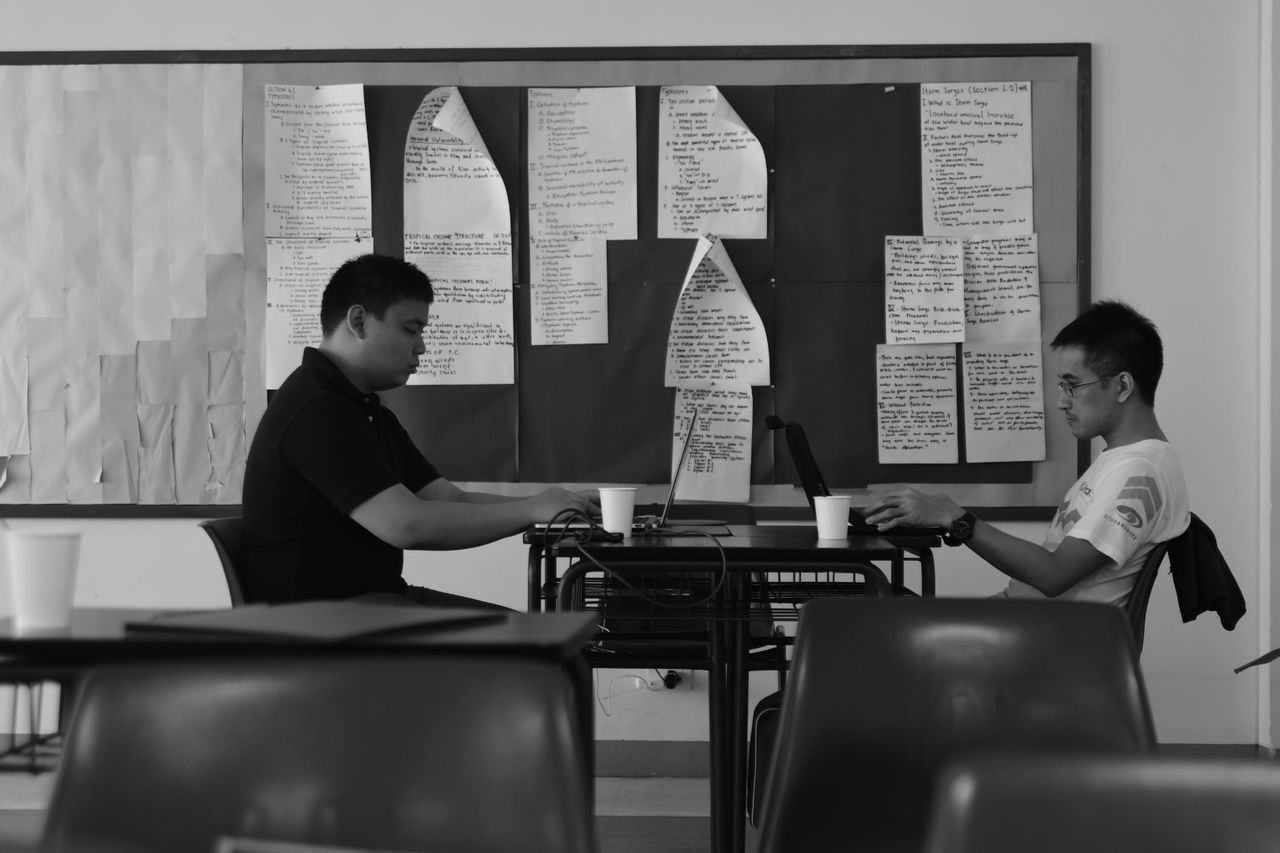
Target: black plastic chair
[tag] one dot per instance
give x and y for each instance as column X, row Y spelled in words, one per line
column 1106, row 804
column 1135, row 610
column 884, row 692
column 225, row 533
column 387, row 753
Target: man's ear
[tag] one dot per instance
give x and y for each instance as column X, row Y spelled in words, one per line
column 1126, row 384
column 355, row 320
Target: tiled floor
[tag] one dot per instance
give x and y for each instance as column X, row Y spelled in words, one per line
column 22, row 802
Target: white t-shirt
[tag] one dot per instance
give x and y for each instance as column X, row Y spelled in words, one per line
column 1131, row 498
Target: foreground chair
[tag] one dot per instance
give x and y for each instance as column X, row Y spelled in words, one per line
column 401, row 753
column 225, row 533
column 1106, row 804
column 884, row 692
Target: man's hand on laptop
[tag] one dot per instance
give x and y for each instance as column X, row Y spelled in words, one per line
column 904, row 506
column 550, row 503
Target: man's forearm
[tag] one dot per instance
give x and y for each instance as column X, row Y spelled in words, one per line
column 448, row 525
column 1016, row 557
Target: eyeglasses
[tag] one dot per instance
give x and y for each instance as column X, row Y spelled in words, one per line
column 1070, row 389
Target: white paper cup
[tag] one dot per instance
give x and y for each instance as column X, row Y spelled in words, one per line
column 42, row 578
column 833, row 515
column 618, row 506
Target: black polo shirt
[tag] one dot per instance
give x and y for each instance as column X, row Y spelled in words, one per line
column 322, row 449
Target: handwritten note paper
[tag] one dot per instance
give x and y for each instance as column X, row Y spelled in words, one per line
column 916, row 405
column 1003, row 403
column 582, row 192
column 976, row 158
column 924, row 290
column 297, row 272
column 457, row 229
column 717, row 337
column 1002, row 289
column 317, row 162
column 450, row 182
column 582, row 162
column 469, row 339
column 712, row 177
column 569, row 299
column 718, row 467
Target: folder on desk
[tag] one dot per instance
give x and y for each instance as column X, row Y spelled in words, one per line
column 322, row 621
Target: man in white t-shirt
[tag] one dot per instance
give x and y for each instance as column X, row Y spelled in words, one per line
column 1132, row 497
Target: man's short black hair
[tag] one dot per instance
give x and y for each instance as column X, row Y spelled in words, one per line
column 1115, row 338
column 375, row 282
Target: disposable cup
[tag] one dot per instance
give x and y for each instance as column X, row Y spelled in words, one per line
column 618, row 506
column 832, row 512
column 42, row 578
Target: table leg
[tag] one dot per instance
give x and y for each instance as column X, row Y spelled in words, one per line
column 716, row 701
column 738, row 678
column 535, row 578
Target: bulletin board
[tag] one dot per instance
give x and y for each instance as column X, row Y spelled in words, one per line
column 840, row 127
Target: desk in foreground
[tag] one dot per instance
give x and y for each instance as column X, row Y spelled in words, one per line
column 101, row 637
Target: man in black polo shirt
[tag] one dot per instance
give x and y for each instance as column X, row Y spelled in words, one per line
column 334, row 489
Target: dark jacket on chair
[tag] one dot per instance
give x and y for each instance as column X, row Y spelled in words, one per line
column 1202, row 578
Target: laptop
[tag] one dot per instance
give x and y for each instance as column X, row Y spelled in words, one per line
column 859, row 526
column 649, row 524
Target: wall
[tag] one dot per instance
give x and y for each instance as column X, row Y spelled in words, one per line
column 1176, row 230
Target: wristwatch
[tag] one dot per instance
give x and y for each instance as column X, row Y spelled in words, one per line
column 961, row 530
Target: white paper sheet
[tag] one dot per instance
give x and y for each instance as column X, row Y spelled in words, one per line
column 223, row 186
column 582, row 163
column 317, row 174
column 84, row 439
column 582, row 192
column 569, row 296
column 712, row 175
column 1002, row 289
column 718, row 466
column 297, row 272
column 48, row 376
column 120, row 398
column 924, row 290
column 716, row 337
column 916, row 406
column 48, row 457
column 15, row 480
column 193, row 467
column 155, row 373
column 451, row 183
column 470, row 338
column 976, row 158
column 13, row 310
column 120, row 471
column 157, row 482
column 457, row 229
column 15, row 436
column 1004, row 402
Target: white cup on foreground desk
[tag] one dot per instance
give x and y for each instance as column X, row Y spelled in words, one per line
column 833, row 515
column 618, row 507
column 42, row 578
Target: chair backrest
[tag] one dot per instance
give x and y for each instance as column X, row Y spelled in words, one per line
column 225, row 533
column 1136, row 609
column 402, row 753
column 802, row 457
column 1106, row 804
column 884, row 691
